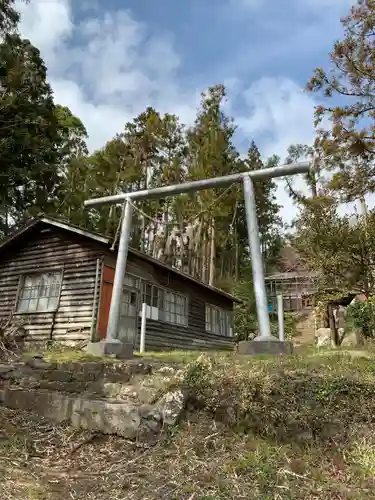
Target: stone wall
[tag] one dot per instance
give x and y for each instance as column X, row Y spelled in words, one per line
column 121, row 398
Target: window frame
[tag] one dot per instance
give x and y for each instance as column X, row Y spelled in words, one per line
column 173, row 313
column 224, row 316
column 136, row 279
column 39, row 272
column 158, row 302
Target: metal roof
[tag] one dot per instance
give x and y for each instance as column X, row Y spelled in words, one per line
column 107, row 242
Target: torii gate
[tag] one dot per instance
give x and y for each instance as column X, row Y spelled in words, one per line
column 114, row 346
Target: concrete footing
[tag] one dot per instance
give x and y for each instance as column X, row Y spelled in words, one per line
column 122, row 350
column 258, row 347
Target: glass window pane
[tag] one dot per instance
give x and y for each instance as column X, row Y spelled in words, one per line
column 25, row 293
column 161, row 301
column 131, row 281
column 33, row 305
column 34, row 292
column 52, row 303
column 23, row 305
column 54, row 290
column 37, row 290
column 43, row 304
column 155, row 296
column 147, row 294
column 218, row 321
column 28, row 281
column 174, row 306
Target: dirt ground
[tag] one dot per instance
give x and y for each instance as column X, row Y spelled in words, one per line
column 200, row 461
column 308, row 433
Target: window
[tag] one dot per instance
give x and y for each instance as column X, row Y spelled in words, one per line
column 218, row 321
column 39, row 292
column 175, row 308
column 129, row 304
column 129, row 300
column 132, row 281
column 152, row 295
column 165, row 305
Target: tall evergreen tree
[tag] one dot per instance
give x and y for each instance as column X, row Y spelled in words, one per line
column 9, row 17
column 29, row 133
column 269, row 220
column 38, row 140
column 348, row 146
column 73, row 168
column 211, row 153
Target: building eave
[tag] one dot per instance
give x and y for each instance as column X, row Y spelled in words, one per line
column 107, row 243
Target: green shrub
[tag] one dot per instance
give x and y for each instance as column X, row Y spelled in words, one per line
column 245, row 316
column 362, row 315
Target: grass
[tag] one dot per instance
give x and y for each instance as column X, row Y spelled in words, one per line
column 299, row 427
column 59, row 353
column 179, row 357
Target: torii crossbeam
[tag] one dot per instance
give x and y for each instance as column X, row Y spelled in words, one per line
column 247, row 178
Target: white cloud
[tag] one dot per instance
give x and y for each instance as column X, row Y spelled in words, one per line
column 47, row 23
column 279, row 110
column 311, row 4
column 278, row 114
column 107, row 69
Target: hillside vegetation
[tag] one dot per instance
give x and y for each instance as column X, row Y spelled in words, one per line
column 291, row 428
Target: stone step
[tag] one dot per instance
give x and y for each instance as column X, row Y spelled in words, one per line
column 124, row 418
column 35, row 369
column 113, row 398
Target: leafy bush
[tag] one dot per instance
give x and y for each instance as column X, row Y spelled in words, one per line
column 285, row 399
column 245, row 316
column 362, row 314
column 290, row 321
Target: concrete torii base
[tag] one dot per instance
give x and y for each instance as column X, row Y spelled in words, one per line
column 271, row 345
column 112, row 347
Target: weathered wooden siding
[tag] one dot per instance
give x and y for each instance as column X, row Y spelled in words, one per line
column 164, row 336
column 161, row 335
column 48, row 250
column 155, row 274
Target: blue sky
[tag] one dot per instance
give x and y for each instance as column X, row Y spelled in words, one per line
column 109, row 59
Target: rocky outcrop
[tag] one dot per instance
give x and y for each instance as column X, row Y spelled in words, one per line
column 99, row 415
column 323, row 337
column 118, row 398
column 351, row 339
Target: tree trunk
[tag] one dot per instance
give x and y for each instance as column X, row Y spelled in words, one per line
column 204, row 250
column 142, row 239
column 332, row 326
column 197, row 251
column 166, row 227
column 222, row 266
column 108, row 223
column 237, row 257
column 363, row 207
column 212, row 254
column 313, row 184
